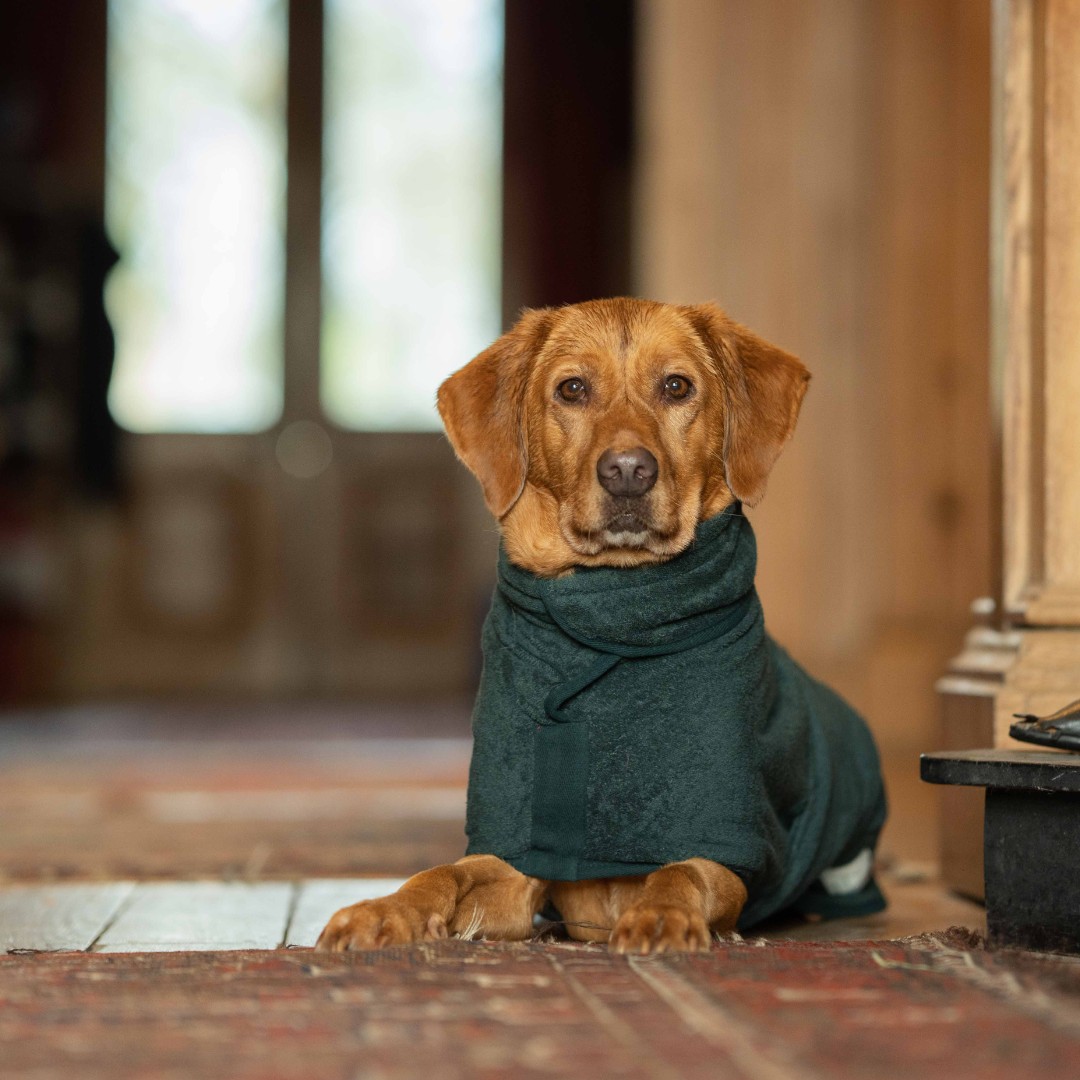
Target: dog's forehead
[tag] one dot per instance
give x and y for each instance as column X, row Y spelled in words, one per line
column 623, row 329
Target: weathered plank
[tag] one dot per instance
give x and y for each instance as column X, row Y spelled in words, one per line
column 321, row 897
column 394, row 802
column 54, row 917
column 192, row 915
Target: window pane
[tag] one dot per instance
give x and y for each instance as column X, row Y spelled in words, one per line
column 411, row 222
column 195, row 204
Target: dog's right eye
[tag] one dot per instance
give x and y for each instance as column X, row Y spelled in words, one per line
column 572, row 390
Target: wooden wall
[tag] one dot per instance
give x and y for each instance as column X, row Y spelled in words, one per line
column 821, row 168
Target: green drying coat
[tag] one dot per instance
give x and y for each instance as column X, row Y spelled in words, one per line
column 629, row 718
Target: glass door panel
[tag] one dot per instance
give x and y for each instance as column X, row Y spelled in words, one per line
column 411, row 196
column 195, row 205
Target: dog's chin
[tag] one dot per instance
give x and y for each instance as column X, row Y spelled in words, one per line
column 629, row 538
column 625, row 537
column 626, row 529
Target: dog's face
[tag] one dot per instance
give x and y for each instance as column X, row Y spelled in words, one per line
column 602, row 433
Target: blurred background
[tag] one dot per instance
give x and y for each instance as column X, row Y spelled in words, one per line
column 242, row 241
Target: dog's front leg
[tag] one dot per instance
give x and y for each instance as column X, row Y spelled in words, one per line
column 678, row 908
column 478, row 896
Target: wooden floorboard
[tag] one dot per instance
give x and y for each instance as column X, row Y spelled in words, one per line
column 193, row 915
column 320, row 898
column 214, row 915
column 328, row 804
column 56, row 917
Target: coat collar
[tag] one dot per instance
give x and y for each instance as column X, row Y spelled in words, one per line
column 650, row 607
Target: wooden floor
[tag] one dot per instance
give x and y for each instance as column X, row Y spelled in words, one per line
column 184, row 916
column 160, row 831
column 212, row 916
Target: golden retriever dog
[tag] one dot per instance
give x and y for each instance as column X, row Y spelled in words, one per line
column 604, row 434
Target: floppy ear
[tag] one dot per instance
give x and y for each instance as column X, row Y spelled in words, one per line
column 764, row 387
column 482, row 408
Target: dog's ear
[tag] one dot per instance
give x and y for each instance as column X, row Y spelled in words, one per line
column 482, row 406
column 763, row 387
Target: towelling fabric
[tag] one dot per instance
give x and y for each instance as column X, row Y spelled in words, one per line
column 631, row 718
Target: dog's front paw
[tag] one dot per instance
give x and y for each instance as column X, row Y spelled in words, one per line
column 656, row 928
column 377, row 924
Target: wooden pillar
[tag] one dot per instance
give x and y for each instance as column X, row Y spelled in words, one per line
column 1026, row 656
column 1036, row 327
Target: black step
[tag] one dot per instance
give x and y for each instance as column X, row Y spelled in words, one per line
column 1031, row 840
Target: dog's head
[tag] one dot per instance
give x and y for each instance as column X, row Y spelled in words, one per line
column 602, row 433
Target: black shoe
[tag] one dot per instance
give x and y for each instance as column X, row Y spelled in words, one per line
column 1060, row 729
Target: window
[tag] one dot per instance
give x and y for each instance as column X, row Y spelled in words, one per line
column 411, row 223
column 196, row 205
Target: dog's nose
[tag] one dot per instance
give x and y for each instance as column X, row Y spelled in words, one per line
column 626, row 472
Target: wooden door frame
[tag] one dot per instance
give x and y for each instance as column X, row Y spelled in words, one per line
column 1025, row 658
column 1036, row 321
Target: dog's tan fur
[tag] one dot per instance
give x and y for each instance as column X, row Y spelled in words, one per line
column 535, row 454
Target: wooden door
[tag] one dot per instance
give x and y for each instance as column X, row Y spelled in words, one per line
column 313, row 556
column 295, row 557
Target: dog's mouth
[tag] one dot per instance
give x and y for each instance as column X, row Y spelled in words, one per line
column 624, row 524
column 627, row 525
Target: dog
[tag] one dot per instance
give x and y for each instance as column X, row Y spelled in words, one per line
column 648, row 767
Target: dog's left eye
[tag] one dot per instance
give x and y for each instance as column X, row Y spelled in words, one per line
column 677, row 387
column 572, row 390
